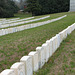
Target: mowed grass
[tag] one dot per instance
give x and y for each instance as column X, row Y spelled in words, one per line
column 14, row 46
column 21, row 15
column 63, row 60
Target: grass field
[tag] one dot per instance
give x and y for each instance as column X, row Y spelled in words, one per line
column 63, row 60
column 14, row 46
column 23, row 15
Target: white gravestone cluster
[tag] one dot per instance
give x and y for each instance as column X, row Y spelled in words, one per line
column 36, row 59
column 28, row 26
column 5, row 21
column 2, row 19
column 13, row 22
column 16, row 22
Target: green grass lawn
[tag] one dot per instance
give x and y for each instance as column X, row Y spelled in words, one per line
column 14, row 46
column 21, row 15
column 63, row 60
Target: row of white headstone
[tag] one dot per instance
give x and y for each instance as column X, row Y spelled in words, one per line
column 36, row 59
column 10, row 21
column 28, row 26
column 7, row 20
column 23, row 22
column 2, row 19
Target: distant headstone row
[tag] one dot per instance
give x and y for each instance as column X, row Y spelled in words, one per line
column 23, row 22
column 7, row 20
column 2, row 20
column 10, row 21
column 36, row 59
column 28, row 26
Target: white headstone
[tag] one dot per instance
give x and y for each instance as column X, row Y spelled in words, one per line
column 73, row 26
column 14, row 29
column 6, row 31
column 58, row 40
column 49, row 43
column 25, row 26
column 64, row 34
column 28, row 64
column 56, row 43
column 18, row 28
column 48, row 46
column 1, row 32
column 13, row 24
column 19, row 68
column 68, row 30
column 51, row 47
column 41, row 56
column 53, row 44
column 46, row 50
column 29, row 26
column 21, row 28
column 8, row 72
column 61, row 36
column 38, row 49
column 3, row 26
column 11, row 30
column 34, row 56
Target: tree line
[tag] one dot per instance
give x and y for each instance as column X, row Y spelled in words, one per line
column 41, row 7
column 7, row 8
column 37, row 7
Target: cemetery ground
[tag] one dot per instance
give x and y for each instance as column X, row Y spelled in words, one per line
column 14, row 46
